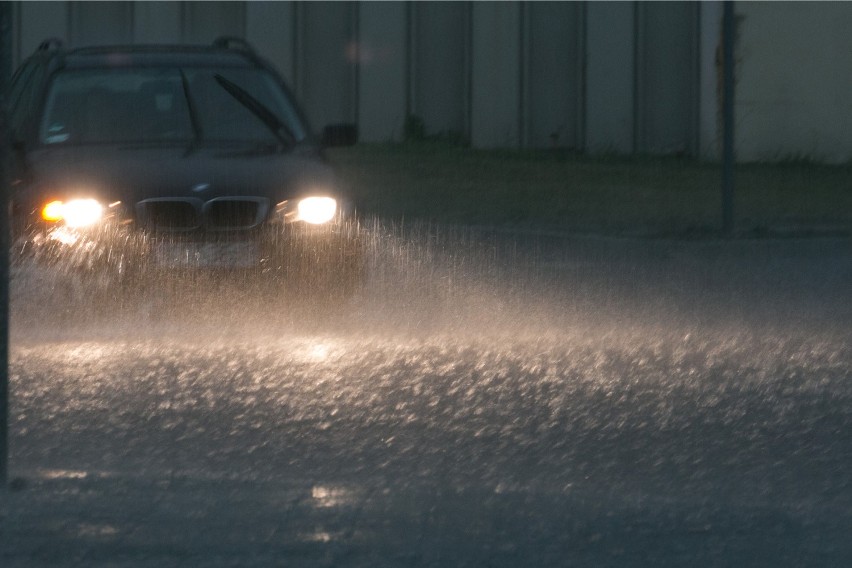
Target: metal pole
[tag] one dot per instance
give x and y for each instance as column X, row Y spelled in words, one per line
column 728, row 117
column 5, row 77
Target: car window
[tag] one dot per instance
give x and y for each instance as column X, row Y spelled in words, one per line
column 223, row 118
column 150, row 105
column 125, row 106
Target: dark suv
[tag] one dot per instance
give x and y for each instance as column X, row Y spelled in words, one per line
column 139, row 159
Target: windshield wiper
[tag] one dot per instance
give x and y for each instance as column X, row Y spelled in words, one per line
column 257, row 108
column 193, row 116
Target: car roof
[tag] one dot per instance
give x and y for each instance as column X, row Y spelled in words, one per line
column 225, row 51
column 156, row 55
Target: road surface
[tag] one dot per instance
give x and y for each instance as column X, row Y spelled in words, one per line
column 487, row 401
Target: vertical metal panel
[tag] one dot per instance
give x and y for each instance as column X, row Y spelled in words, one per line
column 609, row 76
column 382, row 59
column 205, row 21
column 354, row 52
column 410, row 71
column 710, row 21
column 327, row 77
column 439, row 82
column 555, row 74
column 667, row 77
column 269, row 27
column 728, row 118
column 156, row 22
column 526, row 64
column 496, row 74
column 101, row 23
column 38, row 21
column 298, row 51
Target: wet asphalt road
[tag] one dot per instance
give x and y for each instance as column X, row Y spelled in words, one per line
column 487, row 401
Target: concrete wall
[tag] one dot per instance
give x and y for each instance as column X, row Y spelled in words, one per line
column 794, row 85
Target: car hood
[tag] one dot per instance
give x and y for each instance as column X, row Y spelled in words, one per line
column 133, row 174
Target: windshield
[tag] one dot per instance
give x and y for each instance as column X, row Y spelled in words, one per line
column 147, row 105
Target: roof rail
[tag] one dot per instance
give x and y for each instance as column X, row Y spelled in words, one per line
column 50, row 43
column 231, row 42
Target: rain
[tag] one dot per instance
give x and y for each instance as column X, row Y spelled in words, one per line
column 426, row 284
column 485, row 398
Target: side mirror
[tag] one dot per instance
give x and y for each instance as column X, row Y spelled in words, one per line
column 339, row 135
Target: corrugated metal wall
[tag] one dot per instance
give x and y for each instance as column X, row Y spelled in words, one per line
column 326, row 61
column 618, row 76
column 554, row 42
column 93, row 23
column 439, row 65
column 666, row 113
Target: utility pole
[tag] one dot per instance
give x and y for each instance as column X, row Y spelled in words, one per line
column 728, row 117
column 5, row 79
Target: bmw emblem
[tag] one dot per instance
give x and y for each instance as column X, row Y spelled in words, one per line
column 199, row 187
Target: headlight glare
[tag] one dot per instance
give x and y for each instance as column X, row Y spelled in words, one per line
column 317, row 210
column 76, row 213
column 52, row 211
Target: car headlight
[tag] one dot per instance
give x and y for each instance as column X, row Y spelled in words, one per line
column 316, row 210
column 75, row 213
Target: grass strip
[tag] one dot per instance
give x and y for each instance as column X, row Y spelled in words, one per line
column 556, row 190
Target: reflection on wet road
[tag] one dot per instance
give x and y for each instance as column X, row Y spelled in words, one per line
column 484, row 403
